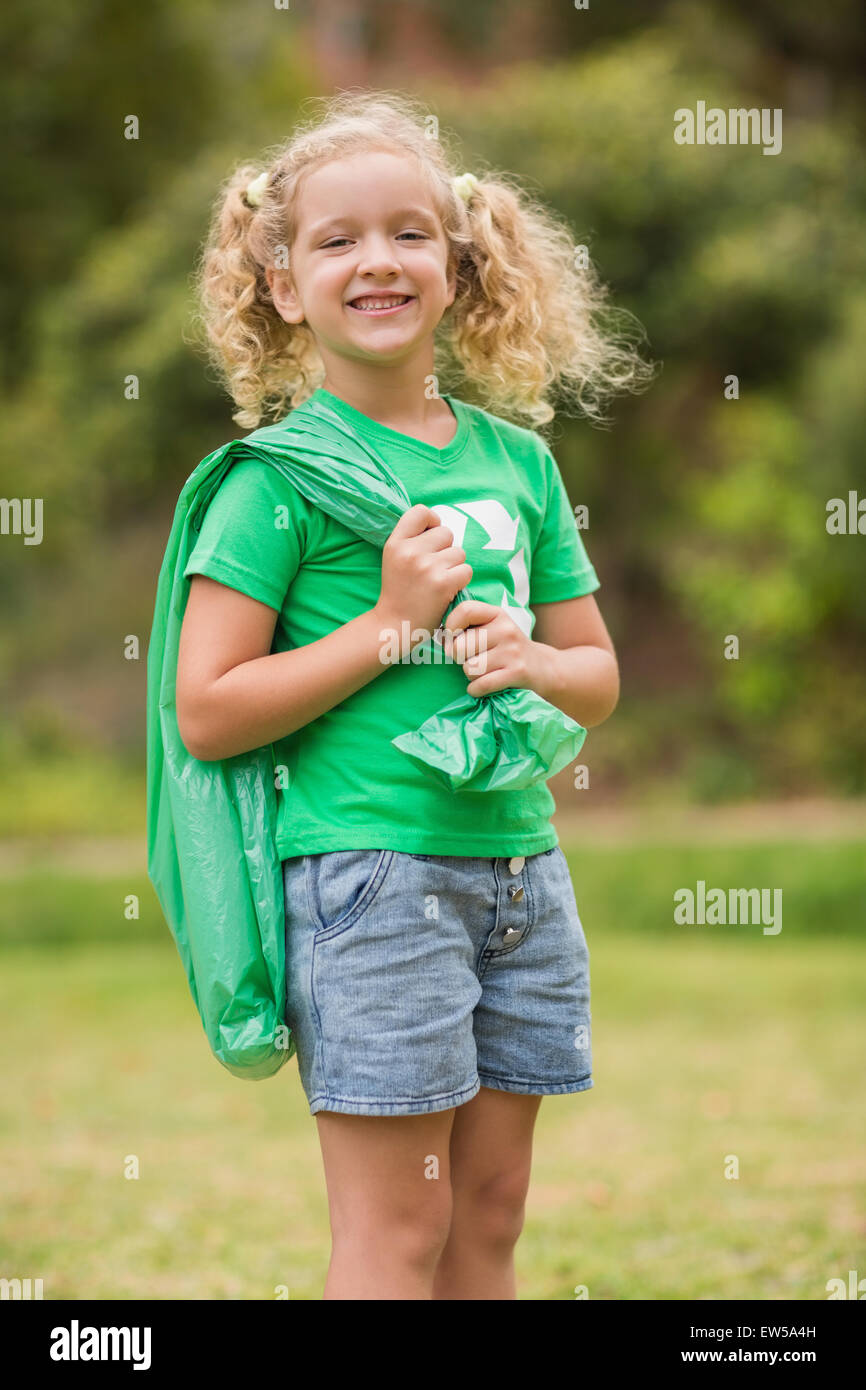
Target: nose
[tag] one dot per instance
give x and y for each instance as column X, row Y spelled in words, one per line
column 378, row 257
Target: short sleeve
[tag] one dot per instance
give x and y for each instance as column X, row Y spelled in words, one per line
column 252, row 535
column 560, row 567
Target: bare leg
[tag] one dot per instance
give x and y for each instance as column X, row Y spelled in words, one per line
column 389, row 1219
column 491, row 1158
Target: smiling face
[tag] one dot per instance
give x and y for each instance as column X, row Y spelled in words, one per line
column 369, row 262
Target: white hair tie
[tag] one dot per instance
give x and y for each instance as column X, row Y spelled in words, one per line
column 255, row 190
column 465, row 185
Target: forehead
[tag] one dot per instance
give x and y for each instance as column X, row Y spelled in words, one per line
column 374, row 183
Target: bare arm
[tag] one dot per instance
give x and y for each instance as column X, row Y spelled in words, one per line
column 234, row 694
column 582, row 673
column 570, row 662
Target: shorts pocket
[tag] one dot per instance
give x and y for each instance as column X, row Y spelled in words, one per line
column 342, row 884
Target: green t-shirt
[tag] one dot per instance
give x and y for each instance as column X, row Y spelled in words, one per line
column 345, row 786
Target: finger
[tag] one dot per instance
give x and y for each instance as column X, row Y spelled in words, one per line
column 462, row 646
column 488, row 684
column 483, row 665
column 471, row 613
column 453, row 555
column 416, row 521
column 476, row 666
column 438, row 538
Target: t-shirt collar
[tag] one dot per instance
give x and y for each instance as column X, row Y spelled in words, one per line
column 395, row 438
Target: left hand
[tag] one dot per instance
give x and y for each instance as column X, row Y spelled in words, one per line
column 494, row 652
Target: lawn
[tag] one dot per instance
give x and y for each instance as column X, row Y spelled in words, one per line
column 713, row 1047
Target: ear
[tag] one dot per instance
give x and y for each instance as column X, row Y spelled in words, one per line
column 284, row 295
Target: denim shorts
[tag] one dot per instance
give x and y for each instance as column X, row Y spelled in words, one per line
column 415, row 979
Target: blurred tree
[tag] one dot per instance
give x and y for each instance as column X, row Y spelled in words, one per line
column 72, row 75
column 707, row 515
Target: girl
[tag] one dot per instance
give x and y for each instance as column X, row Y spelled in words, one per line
column 438, row 970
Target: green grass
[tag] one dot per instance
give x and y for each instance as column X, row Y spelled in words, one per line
column 80, row 792
column 707, row 1041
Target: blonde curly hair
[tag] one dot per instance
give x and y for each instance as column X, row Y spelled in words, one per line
column 527, row 317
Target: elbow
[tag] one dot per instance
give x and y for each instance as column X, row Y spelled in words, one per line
column 608, row 701
column 207, row 737
column 614, row 691
column 197, row 747
column 196, row 737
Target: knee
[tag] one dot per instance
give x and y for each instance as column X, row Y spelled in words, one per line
column 413, row 1238
column 496, row 1208
column 417, row 1243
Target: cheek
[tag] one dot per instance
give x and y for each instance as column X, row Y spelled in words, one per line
column 329, row 282
column 429, row 263
column 433, row 279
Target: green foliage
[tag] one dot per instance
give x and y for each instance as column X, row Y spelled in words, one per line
column 707, row 514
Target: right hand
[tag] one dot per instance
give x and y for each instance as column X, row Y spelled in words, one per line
column 422, row 571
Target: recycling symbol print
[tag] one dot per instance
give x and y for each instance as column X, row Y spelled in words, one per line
column 501, row 531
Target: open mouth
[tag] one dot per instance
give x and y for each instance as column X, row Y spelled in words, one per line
column 377, row 305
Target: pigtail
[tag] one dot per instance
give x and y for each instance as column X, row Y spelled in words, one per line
column 261, row 358
column 530, row 316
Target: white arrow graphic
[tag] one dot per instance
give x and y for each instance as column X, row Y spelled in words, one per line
column 492, row 516
column 521, row 616
column 501, row 528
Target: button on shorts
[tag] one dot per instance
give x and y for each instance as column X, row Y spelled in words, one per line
column 415, row 979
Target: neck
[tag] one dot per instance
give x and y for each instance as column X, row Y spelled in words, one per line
column 394, row 395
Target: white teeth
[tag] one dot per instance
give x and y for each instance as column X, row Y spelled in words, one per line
column 388, row 303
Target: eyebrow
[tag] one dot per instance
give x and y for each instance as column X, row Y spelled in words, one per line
column 417, row 214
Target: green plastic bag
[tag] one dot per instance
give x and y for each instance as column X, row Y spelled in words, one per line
column 211, row 826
